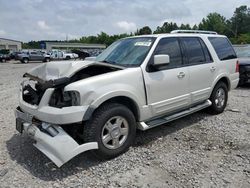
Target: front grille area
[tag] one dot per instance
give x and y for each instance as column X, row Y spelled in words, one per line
column 32, row 92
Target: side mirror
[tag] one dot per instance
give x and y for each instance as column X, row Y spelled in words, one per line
column 161, row 60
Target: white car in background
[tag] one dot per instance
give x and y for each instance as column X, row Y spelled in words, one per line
column 60, row 54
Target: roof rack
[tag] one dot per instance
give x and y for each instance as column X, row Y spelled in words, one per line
column 194, row 31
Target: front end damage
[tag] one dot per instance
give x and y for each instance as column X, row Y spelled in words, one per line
column 51, row 139
column 51, row 116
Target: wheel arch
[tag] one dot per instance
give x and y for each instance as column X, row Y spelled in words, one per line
column 224, row 79
column 124, row 100
column 25, row 58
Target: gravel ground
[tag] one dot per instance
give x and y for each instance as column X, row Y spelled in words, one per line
column 196, row 151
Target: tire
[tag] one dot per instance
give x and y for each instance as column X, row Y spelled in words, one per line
column 103, row 126
column 25, row 60
column 47, row 59
column 218, row 98
column 67, row 57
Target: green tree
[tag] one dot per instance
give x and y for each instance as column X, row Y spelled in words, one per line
column 144, row 31
column 195, row 27
column 185, row 27
column 166, row 28
column 214, row 22
column 240, row 22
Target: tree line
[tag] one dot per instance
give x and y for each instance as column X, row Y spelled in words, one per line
column 237, row 29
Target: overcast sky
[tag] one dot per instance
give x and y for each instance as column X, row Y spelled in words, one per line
column 27, row 20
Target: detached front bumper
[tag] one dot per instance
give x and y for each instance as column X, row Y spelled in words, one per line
column 51, row 139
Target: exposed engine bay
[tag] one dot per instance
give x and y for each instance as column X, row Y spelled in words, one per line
column 34, row 87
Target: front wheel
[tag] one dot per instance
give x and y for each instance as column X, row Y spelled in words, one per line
column 25, row 60
column 113, row 127
column 218, row 98
column 47, row 59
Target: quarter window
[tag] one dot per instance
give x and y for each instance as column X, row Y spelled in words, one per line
column 223, row 48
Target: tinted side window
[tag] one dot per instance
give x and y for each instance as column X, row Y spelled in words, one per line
column 171, row 47
column 223, row 48
column 194, row 50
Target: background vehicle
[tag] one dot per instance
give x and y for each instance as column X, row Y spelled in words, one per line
column 14, row 55
column 4, row 58
column 25, row 57
column 60, row 54
column 4, row 55
column 136, row 83
column 81, row 54
column 243, row 53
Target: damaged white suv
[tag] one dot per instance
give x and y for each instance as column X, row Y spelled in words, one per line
column 136, row 83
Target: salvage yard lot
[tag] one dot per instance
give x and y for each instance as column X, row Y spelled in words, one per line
column 196, row 151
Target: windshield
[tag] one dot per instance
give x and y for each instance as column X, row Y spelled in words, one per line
column 242, row 51
column 127, row 52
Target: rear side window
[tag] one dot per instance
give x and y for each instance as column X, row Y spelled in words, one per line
column 171, row 47
column 194, row 50
column 223, row 48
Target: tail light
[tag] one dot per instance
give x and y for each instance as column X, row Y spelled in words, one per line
column 237, row 69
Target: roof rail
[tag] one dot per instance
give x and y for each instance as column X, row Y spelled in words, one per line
column 194, row 31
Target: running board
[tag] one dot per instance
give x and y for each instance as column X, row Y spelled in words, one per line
column 165, row 119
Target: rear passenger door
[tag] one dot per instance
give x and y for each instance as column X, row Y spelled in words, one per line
column 201, row 68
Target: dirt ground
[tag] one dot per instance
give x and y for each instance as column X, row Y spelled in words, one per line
column 196, row 151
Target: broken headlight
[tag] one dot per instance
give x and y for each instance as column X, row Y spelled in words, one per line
column 71, row 98
column 60, row 98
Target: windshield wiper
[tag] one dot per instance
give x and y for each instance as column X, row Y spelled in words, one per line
column 109, row 62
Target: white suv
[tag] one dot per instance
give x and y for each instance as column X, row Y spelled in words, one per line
column 136, row 83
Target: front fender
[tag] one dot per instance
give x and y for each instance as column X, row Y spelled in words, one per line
column 98, row 97
column 123, row 83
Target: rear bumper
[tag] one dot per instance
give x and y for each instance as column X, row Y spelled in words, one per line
column 234, row 79
column 51, row 139
column 234, row 83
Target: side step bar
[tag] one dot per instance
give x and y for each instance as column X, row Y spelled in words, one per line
column 164, row 119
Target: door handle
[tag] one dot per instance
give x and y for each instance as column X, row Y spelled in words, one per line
column 212, row 69
column 181, row 75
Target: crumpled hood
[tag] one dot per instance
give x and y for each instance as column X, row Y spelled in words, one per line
column 58, row 69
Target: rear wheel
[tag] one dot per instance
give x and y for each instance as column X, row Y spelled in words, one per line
column 113, row 127
column 218, row 98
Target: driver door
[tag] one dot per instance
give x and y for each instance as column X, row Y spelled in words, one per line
column 167, row 86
